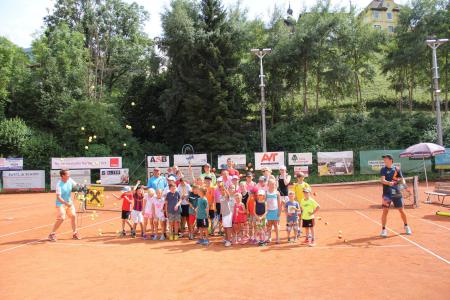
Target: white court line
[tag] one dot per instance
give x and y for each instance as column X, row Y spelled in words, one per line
column 393, row 231
column 41, row 240
column 23, row 207
column 84, row 244
column 25, row 230
column 355, row 247
column 414, row 216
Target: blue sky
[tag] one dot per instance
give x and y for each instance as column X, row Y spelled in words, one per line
column 20, row 20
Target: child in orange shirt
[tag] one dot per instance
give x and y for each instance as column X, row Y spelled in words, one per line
column 252, row 214
column 127, row 206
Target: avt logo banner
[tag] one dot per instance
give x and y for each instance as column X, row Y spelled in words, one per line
column 273, row 160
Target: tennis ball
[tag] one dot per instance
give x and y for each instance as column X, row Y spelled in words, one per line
column 340, row 236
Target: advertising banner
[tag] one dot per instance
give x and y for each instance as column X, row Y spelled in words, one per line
column 442, row 162
column 335, row 163
column 370, row 162
column 183, row 160
column 80, row 177
column 303, row 169
column 161, row 161
column 273, row 160
column 114, row 176
column 95, row 197
column 86, row 163
column 300, row 159
column 11, row 164
column 30, row 180
column 239, row 160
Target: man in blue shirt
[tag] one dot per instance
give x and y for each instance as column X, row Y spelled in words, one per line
column 64, row 205
column 157, row 181
column 391, row 177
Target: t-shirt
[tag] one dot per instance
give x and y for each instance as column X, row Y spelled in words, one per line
column 308, row 206
column 391, row 174
column 149, row 201
column 127, row 201
column 233, row 172
column 210, row 191
column 217, row 195
column 245, row 199
column 172, row 199
column 298, row 189
column 272, row 200
column 157, row 183
column 202, row 207
column 159, row 207
column 193, row 199
column 184, row 189
column 290, row 206
column 64, row 190
column 225, row 206
column 212, row 175
column 138, row 202
column 250, row 185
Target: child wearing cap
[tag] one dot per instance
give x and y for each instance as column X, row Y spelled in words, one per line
column 309, row 208
column 127, row 205
column 261, row 183
column 292, row 209
column 249, row 183
column 173, row 202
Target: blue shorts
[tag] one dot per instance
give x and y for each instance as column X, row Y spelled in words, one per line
column 398, row 202
column 292, row 219
column 272, row 215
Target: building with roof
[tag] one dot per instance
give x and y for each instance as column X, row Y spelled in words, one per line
column 382, row 14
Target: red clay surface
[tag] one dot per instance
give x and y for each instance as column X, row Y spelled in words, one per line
column 108, row 267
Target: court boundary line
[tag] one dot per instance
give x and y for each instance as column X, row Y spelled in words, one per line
column 393, row 231
column 45, row 239
column 25, row 230
column 22, row 207
column 409, row 214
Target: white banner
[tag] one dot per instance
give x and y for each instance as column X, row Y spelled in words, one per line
column 86, row 163
column 114, row 176
column 273, row 160
column 11, row 164
column 239, row 160
column 187, row 175
column 186, row 159
column 300, row 159
column 303, row 169
column 33, row 180
column 163, row 172
column 335, row 163
column 161, row 161
column 80, row 177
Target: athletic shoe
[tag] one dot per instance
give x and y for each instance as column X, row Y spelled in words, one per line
column 200, row 241
column 162, row 238
column 205, row 243
column 289, row 240
column 295, row 240
column 146, row 237
column 244, row 241
column 408, row 230
column 52, row 237
column 171, row 237
column 277, row 241
column 306, row 241
column 384, row 233
column 123, row 233
column 311, row 243
column 175, row 237
column 76, row 236
column 227, row 243
column 154, row 237
column 133, row 234
column 191, row 236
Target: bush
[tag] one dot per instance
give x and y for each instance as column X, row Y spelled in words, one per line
column 14, row 134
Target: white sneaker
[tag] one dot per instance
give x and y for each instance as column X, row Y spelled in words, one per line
column 227, row 243
column 384, row 233
column 408, row 230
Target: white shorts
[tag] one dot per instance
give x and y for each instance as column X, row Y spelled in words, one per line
column 137, row 216
column 62, row 211
column 227, row 221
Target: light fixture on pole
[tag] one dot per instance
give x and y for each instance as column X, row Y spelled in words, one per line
column 261, row 53
column 434, row 44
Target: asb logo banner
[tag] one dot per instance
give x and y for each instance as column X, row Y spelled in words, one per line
column 273, row 160
column 160, row 161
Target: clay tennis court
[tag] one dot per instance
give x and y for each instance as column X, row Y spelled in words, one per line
column 107, row 267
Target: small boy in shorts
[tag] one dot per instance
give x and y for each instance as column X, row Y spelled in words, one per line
column 193, row 200
column 173, row 210
column 309, row 208
column 292, row 209
column 127, row 206
column 202, row 217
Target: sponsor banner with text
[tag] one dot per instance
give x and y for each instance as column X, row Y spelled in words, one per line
column 114, row 176
column 30, row 180
column 335, row 163
column 183, row 160
column 303, row 169
column 300, row 159
column 272, row 160
column 80, row 177
column 11, row 164
column 86, row 163
column 160, row 161
column 239, row 160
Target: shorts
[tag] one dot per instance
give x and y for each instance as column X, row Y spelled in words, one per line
column 174, row 217
column 227, row 221
column 185, row 210
column 126, row 214
column 284, row 199
column 202, row 223
column 148, row 215
column 292, row 219
column 272, row 215
column 398, row 202
column 308, row 223
column 137, row 216
column 191, row 220
column 212, row 214
column 218, row 208
column 62, row 211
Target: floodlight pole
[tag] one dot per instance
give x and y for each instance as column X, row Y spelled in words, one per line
column 434, row 44
column 261, row 53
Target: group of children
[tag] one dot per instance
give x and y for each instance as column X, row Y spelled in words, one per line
column 240, row 211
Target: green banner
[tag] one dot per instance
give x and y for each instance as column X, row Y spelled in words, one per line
column 371, row 162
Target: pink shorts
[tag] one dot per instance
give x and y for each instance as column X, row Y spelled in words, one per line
column 62, row 211
column 148, row 215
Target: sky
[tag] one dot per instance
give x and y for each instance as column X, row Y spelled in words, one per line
column 22, row 20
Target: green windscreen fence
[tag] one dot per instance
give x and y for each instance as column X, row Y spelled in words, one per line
column 371, row 162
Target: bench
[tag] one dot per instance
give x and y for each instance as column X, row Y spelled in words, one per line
column 441, row 190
